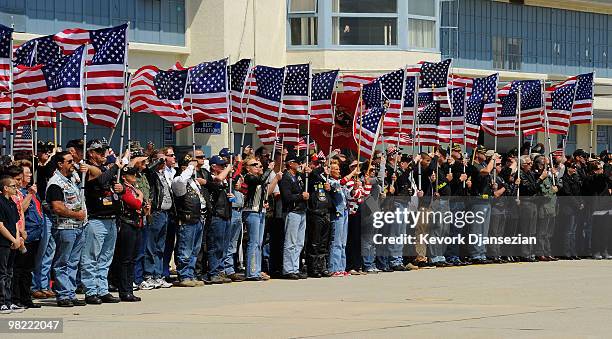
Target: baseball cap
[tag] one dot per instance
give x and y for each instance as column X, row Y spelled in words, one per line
column 481, row 149
column 96, row 144
column 216, row 160
column 129, row 171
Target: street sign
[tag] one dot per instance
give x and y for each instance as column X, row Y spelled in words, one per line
column 207, row 127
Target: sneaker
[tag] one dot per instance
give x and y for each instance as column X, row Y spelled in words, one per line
column 146, row 285
column 372, row 271
column 135, row 287
column 411, row 267
column 216, row 280
column 186, row 283
column 346, row 274
column 5, row 310
column 338, row 274
column 198, row 282
column 163, row 283
column 16, row 309
column 597, row 256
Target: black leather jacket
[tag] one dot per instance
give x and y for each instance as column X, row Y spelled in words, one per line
column 291, row 193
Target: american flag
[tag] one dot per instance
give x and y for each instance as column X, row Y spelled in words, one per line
column 207, row 92
column 288, row 133
column 506, row 117
column 23, row 138
column 485, row 89
column 323, row 85
column 321, row 155
column 473, row 117
column 240, row 73
column 559, row 103
column 6, row 42
column 58, row 84
column 303, row 144
column 372, row 95
column 453, row 119
column 295, row 94
column 365, row 130
column 455, row 81
column 582, row 112
column 265, row 97
column 160, row 93
column 531, row 106
column 352, row 83
column 427, row 127
column 392, row 85
column 107, row 59
column 43, row 114
column 434, row 78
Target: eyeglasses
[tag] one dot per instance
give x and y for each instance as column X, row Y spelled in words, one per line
column 12, row 186
column 255, row 164
column 69, row 161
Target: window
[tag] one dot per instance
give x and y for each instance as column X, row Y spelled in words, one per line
column 365, row 6
column 422, row 25
column 364, row 22
column 507, row 53
column 303, row 23
column 365, row 31
column 604, row 138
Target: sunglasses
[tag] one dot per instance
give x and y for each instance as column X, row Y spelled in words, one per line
column 200, row 157
column 69, row 161
column 256, row 164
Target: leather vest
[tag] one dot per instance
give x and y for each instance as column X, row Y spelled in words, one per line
column 189, row 207
column 72, row 199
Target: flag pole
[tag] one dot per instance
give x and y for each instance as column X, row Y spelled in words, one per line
column 12, row 112
column 416, row 109
column 378, row 128
column 85, row 117
column 518, row 107
column 280, row 112
column 230, row 130
column 399, row 135
column 3, row 140
column 592, row 115
column 121, row 138
column 245, row 112
column 359, row 104
column 331, row 137
column 308, row 124
column 35, row 142
column 547, row 131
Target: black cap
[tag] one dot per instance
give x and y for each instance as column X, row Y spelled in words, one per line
column 580, row 153
column 129, row 171
column 481, row 149
column 292, row 156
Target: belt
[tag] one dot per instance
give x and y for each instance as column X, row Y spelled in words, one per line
column 237, row 208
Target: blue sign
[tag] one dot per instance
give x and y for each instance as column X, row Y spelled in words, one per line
column 208, row 127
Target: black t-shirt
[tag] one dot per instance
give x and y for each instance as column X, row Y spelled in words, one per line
column 9, row 217
column 54, row 193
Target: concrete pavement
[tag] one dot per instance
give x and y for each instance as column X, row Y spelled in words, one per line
column 555, row 300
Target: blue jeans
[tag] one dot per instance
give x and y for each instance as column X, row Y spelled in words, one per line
column 295, row 233
column 439, row 228
column 256, row 223
column 453, row 250
column 337, row 249
column 215, row 240
column 170, row 243
column 396, row 251
column 477, row 251
column 68, row 252
column 44, row 259
column 155, row 233
column 98, row 250
column 232, row 234
column 189, row 241
column 139, row 260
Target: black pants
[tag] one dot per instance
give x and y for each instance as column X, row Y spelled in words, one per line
column 7, row 259
column 353, row 243
column 201, row 268
column 275, row 232
column 511, row 230
column 602, row 234
column 22, row 274
column 128, row 239
column 528, row 219
column 318, row 227
column 496, row 229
